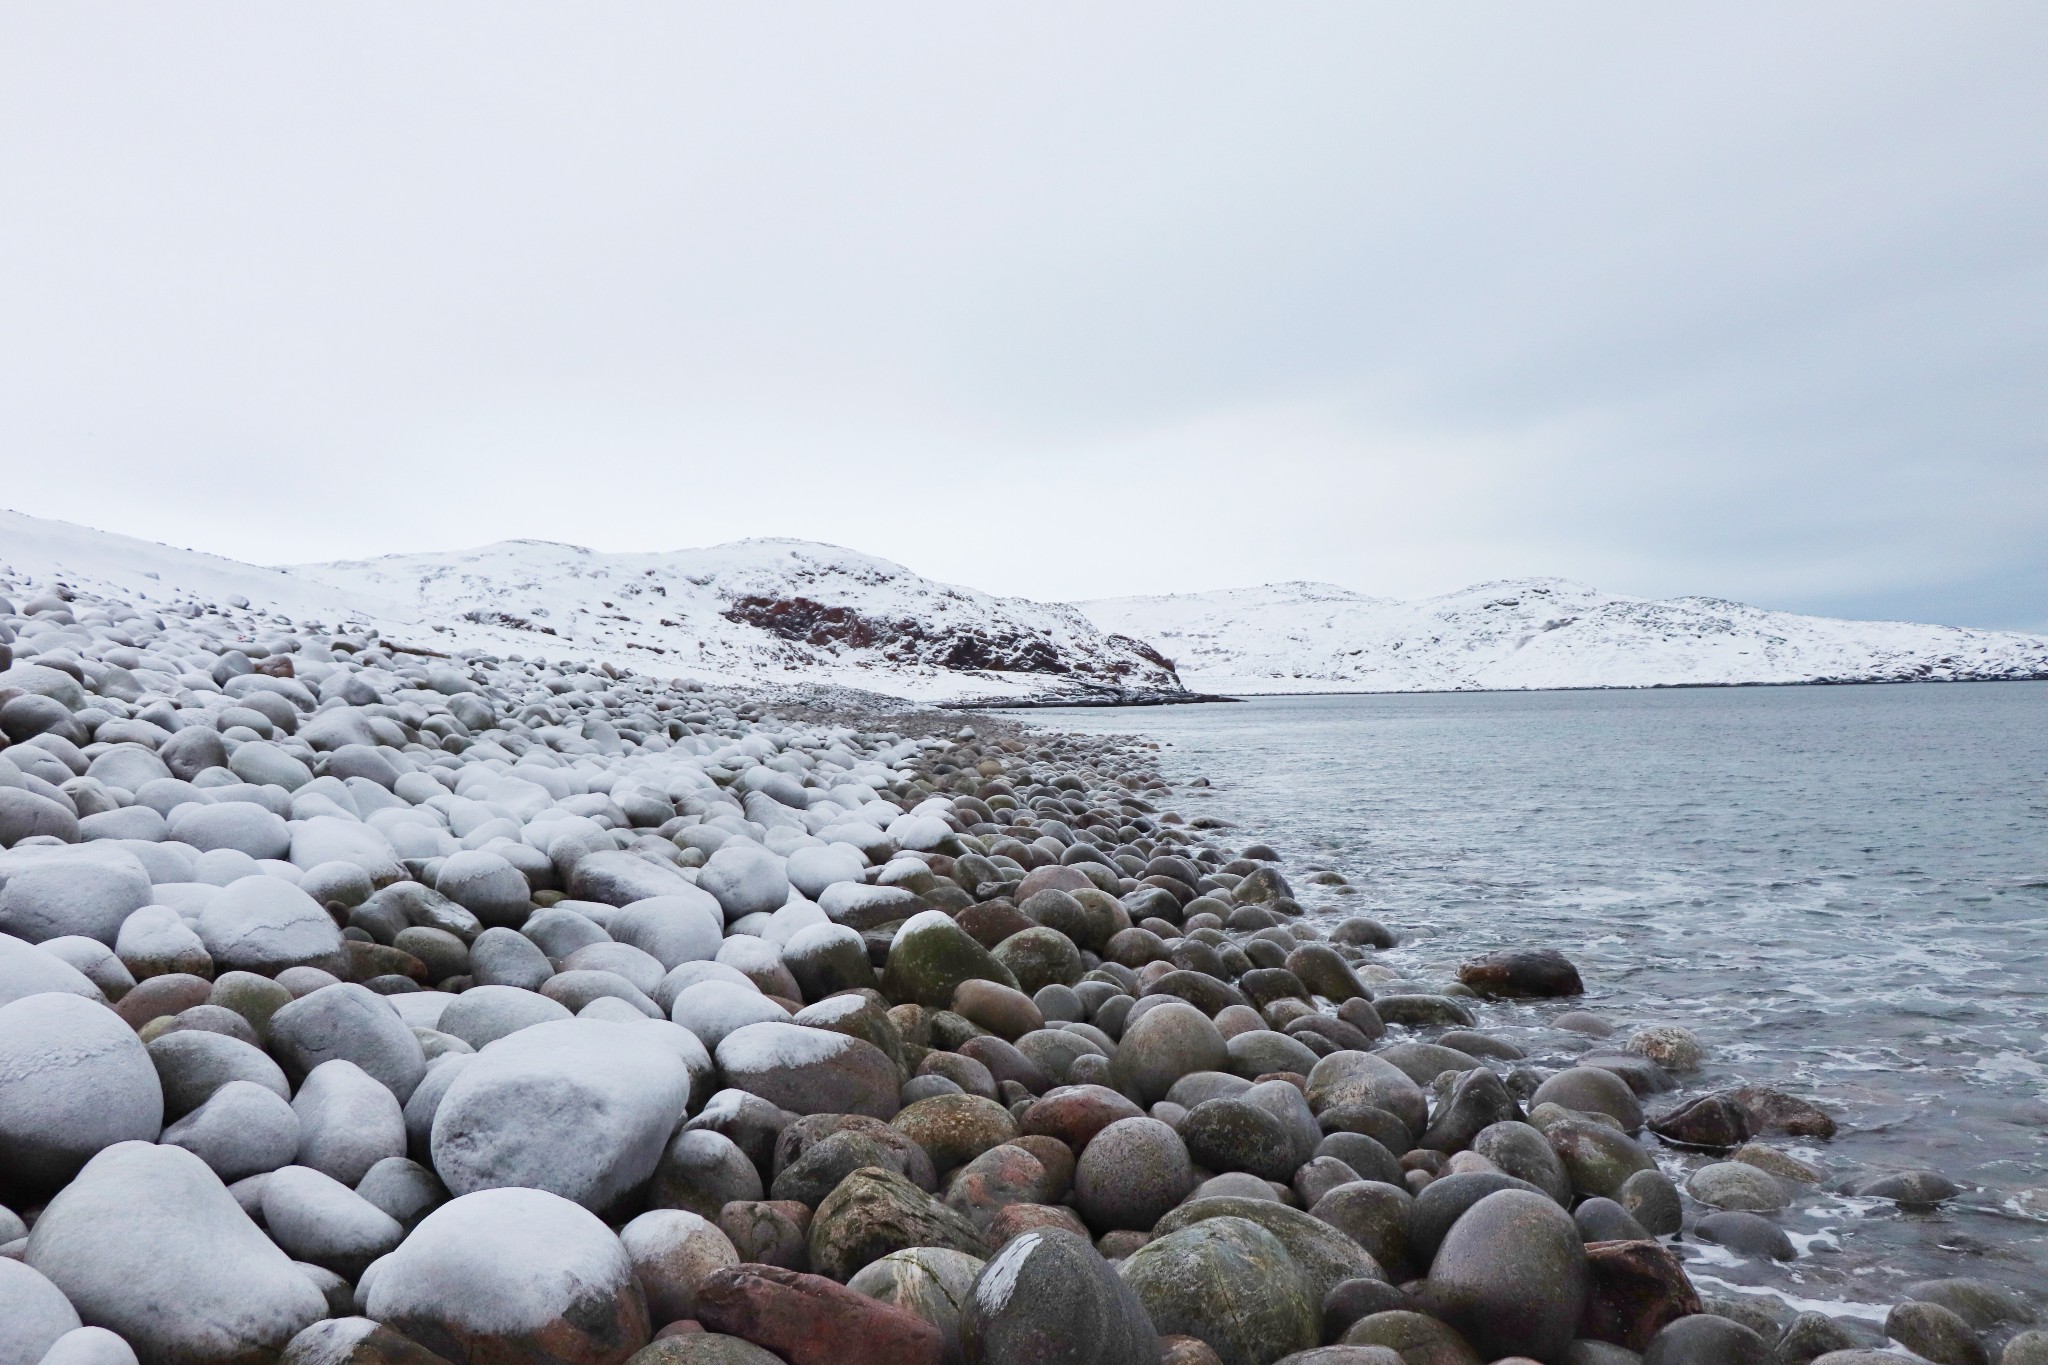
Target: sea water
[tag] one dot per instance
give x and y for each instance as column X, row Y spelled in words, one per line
column 1842, row 890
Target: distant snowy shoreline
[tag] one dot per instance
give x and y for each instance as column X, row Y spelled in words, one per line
column 792, row 613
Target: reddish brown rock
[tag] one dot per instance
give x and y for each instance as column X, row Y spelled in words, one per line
column 1076, row 1113
column 955, row 1129
column 171, row 993
column 1774, row 1111
column 1522, row 973
column 1056, row 1157
column 769, row 1232
column 1020, row 1218
column 810, row 1320
column 1635, row 1290
column 354, row 1341
column 993, row 921
column 995, row 1180
column 1186, row 1351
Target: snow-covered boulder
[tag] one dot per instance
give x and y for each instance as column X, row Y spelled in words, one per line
column 317, row 1219
column 95, row 960
column 242, row 825
column 813, row 869
column 34, row 1314
column 674, row 929
column 483, row 1014
column 266, row 924
column 90, row 1346
column 511, row 1274
column 149, row 1243
column 334, row 839
column 673, row 1251
column 51, row 892
column 242, row 1129
column 810, row 1071
column 620, row 878
column 713, row 1009
column 745, row 878
column 348, row 1121
column 487, row 885
column 348, row 1021
column 74, row 1080
column 156, row 941
column 24, row 971
column 580, row 1107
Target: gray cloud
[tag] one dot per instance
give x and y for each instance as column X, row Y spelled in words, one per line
column 1063, row 301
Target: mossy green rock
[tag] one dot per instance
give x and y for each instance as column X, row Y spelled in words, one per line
column 875, row 1212
column 931, row 956
column 1324, row 1253
column 1598, row 1159
column 1039, row 958
column 1230, row 1283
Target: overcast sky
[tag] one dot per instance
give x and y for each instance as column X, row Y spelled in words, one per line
column 1063, row 300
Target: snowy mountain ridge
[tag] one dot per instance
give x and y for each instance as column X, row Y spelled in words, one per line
column 754, row 611
column 1536, row 633
column 781, row 611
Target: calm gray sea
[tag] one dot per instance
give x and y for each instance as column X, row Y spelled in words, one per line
column 1842, row 890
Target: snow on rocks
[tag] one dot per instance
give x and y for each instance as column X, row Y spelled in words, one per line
column 90, row 1346
column 713, row 1009
column 24, row 971
column 810, row 1071
column 673, row 1252
column 265, row 924
column 241, row 1130
column 74, row 1080
column 47, row 893
column 685, row 926
column 349, row 1022
column 148, row 1243
column 348, row 1121
column 34, row 1314
column 317, row 1219
column 745, row 879
column 511, row 1275
column 483, row 1014
column 582, row 1108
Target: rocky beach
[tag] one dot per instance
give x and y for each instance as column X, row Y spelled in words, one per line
column 368, row 1000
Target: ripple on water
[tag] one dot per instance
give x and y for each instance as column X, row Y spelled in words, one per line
column 1841, row 890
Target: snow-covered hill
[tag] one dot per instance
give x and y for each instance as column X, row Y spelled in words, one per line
column 797, row 612
column 774, row 611
column 1535, row 633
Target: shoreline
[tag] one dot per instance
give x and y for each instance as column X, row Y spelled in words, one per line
column 855, row 993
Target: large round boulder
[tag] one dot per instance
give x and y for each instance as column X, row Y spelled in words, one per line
column 673, row 1251
column 52, row 893
column 582, row 1108
column 149, row 1243
column 348, row 1022
column 1048, row 1298
column 745, row 879
column 934, row 1283
column 511, row 1275
column 1511, row 1276
column 33, row 1314
column 1167, row 1042
column 264, row 925
column 1132, row 1172
column 810, row 1071
column 1230, row 1283
column 74, row 1080
column 929, row 958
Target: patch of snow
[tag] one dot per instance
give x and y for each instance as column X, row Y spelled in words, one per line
column 1536, row 633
